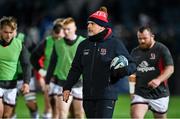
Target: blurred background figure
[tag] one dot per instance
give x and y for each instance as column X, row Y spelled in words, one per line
column 60, row 63
column 40, row 59
column 30, row 97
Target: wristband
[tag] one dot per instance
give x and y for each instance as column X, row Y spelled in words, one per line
column 131, row 87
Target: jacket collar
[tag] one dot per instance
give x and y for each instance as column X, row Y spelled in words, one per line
column 102, row 36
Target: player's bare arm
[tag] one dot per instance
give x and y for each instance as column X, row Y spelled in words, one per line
column 164, row 76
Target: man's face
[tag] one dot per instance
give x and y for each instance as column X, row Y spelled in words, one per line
column 145, row 39
column 7, row 33
column 94, row 28
column 70, row 30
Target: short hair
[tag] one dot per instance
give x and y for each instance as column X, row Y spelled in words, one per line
column 57, row 28
column 9, row 21
column 68, row 21
column 58, row 21
column 143, row 28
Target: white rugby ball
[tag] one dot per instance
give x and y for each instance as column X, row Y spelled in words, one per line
column 119, row 62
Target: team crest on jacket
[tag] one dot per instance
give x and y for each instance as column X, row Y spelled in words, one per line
column 103, row 51
column 153, row 56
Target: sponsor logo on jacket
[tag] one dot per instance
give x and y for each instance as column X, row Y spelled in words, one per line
column 86, row 51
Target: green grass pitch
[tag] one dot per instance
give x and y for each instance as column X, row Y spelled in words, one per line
column 122, row 107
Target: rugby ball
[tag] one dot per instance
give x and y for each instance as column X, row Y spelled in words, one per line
column 119, row 62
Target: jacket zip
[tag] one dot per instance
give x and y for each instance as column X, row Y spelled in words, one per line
column 92, row 65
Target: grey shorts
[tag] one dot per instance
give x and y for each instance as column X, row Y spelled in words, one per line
column 156, row 105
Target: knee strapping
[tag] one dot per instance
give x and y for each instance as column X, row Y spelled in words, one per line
column 30, row 96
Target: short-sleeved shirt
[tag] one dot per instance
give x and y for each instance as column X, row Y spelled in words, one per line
column 150, row 64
